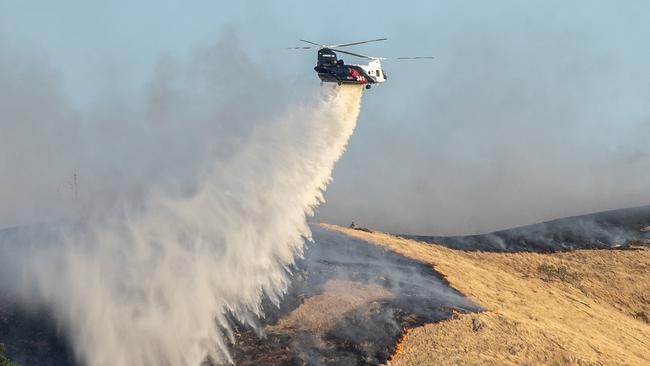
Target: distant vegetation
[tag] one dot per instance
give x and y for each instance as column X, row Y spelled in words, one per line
column 639, row 243
column 642, row 316
column 550, row 272
column 5, row 361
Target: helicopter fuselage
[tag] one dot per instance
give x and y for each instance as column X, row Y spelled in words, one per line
column 330, row 69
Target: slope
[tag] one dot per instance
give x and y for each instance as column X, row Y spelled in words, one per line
column 587, row 307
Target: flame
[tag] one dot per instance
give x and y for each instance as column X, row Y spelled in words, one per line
column 399, row 347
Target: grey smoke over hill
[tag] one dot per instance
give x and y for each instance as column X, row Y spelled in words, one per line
column 601, row 230
column 188, row 204
column 189, row 114
column 516, row 122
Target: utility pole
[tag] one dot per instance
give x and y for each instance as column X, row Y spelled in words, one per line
column 75, row 185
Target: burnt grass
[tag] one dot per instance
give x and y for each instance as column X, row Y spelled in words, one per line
column 31, row 337
column 615, row 229
column 367, row 335
column 364, row 336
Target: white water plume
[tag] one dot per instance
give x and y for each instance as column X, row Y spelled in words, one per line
column 154, row 286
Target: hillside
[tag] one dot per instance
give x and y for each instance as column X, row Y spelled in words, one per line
column 355, row 294
column 348, row 304
column 585, row 307
column 598, row 230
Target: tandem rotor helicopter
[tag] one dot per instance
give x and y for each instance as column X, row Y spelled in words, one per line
column 330, row 69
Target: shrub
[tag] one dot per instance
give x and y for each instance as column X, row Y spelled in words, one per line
column 642, row 316
column 5, row 361
column 550, row 272
column 639, row 243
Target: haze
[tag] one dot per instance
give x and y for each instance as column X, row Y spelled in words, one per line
column 529, row 111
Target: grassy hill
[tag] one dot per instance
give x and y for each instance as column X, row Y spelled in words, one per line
column 594, row 231
column 545, row 304
column 584, row 307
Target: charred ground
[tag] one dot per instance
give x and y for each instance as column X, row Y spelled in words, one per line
column 603, row 230
column 350, row 301
column 579, row 307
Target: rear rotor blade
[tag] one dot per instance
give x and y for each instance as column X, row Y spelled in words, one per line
column 416, row 58
column 310, row 42
column 356, row 43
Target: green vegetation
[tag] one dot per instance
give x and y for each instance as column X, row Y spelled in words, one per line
column 639, row 243
column 5, row 361
column 550, row 272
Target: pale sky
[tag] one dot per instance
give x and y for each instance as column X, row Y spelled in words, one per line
column 530, row 111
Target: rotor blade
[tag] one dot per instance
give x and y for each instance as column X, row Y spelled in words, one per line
column 356, row 43
column 415, row 58
column 355, row 54
column 300, row 48
column 310, row 42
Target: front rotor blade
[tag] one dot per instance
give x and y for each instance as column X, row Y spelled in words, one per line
column 355, row 43
column 354, row 54
column 300, row 48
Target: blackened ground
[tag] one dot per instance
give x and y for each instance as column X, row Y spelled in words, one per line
column 601, row 230
column 366, row 335
column 30, row 336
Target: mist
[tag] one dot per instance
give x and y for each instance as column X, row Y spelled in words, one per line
column 191, row 112
column 161, row 216
column 529, row 112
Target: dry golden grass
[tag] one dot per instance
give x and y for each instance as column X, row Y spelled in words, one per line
column 592, row 311
column 323, row 311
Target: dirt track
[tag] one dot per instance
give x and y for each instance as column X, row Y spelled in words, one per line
column 587, row 307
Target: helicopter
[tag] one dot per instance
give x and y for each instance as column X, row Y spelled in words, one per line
column 331, row 69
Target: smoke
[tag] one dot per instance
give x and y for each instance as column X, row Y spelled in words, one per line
column 607, row 229
column 519, row 120
column 189, row 217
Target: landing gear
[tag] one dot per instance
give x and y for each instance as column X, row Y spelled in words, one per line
column 367, row 86
column 340, row 83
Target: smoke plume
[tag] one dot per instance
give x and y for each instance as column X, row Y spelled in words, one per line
column 203, row 232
